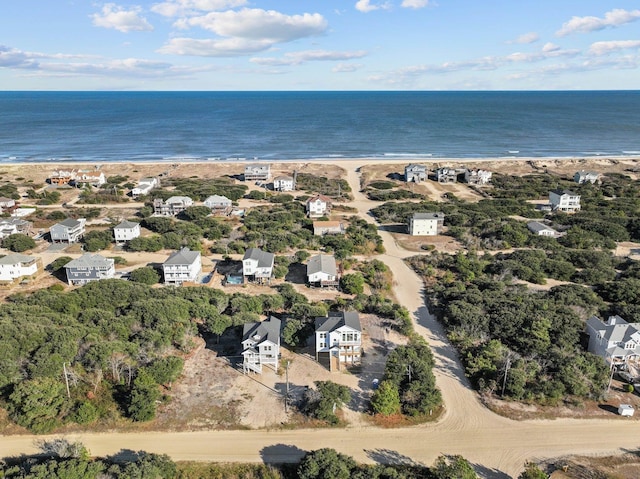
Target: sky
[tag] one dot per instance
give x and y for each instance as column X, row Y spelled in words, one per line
column 225, row 45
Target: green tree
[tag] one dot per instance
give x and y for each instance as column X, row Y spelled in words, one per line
column 18, row 242
column 453, row 467
column 532, row 471
column 386, row 399
column 326, row 399
column 324, row 464
column 196, row 213
column 143, row 396
column 145, row 275
column 59, row 263
column 97, row 240
column 166, row 370
column 352, row 283
column 36, row 403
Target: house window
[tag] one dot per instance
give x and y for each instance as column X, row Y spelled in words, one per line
column 267, row 348
column 323, row 335
column 348, row 337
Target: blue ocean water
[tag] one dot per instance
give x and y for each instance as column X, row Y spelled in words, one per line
column 114, row 126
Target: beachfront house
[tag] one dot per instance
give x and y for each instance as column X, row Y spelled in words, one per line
column 317, row 206
column 564, row 200
column 219, row 205
column 17, row 266
column 94, row 178
column 62, row 177
column 257, row 172
column 144, row 186
column 68, row 231
column 284, row 183
column 338, row 339
column 7, row 205
column 583, row 176
column 415, row 173
column 182, row 266
column 540, row 229
column 446, row 175
column 11, row 226
column 322, row 271
column 89, row 267
column 426, row 224
column 257, row 265
column 126, row 231
column 477, row 177
column 261, row 345
column 615, row 340
column 172, row 207
column 321, row 228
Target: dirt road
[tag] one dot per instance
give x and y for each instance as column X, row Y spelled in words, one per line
column 497, row 445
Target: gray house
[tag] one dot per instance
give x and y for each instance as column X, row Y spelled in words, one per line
column 338, row 339
column 261, row 345
column 322, row 271
column 416, row 173
column 257, row 171
column 583, row 176
column 68, row 231
column 617, row 341
column 182, row 266
column 257, row 265
column 540, row 229
column 89, row 267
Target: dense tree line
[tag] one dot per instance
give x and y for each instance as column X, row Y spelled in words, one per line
column 199, row 189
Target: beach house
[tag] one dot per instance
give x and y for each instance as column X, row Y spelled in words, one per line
column 321, row 228
column 89, row 267
column 126, row 231
column 257, row 172
column 182, row 266
column 144, row 186
column 477, row 177
column 94, row 178
column 7, row 205
column 540, row 229
column 219, row 205
column 261, row 345
column 62, row 177
column 317, row 206
column 426, row 224
column 172, row 207
column 11, row 226
column 68, row 231
column 415, row 173
column 283, row 183
column 338, row 339
column 16, row 266
column 564, row 200
column 322, row 271
column 257, row 265
column 584, row 176
column 616, row 340
column 446, row 175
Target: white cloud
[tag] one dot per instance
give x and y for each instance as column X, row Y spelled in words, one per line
column 365, row 6
column 228, row 47
column 346, row 67
column 550, row 47
column 414, row 3
column 116, row 17
column 614, row 18
column 525, row 38
column 174, row 8
column 606, row 47
column 297, row 58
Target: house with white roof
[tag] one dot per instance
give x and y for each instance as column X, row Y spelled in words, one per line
column 446, row 175
column 144, row 186
column 616, row 340
column 89, row 267
column 318, row 205
column 93, row 178
column 338, row 339
column 415, row 173
column 257, row 172
column 283, row 183
column 68, row 231
column 321, row 228
column 477, row 177
column 11, row 226
column 126, row 231
column 322, row 271
column 584, row 176
column 15, row 266
column 540, row 229
column 172, row 207
column 257, row 265
column 261, row 345
column 7, row 205
column 182, row 266
column 426, row 224
column 564, row 200
column 62, row 176
column 219, row 205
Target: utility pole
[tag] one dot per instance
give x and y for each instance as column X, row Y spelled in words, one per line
column 66, row 379
column 610, row 377
column 286, row 391
column 409, row 371
column 506, row 372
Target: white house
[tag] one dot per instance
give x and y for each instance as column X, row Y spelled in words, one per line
column 219, row 204
column 261, row 345
column 89, row 267
column 477, row 177
column 172, row 207
column 321, row 228
column 257, row 171
column 7, row 204
column 583, row 176
column 62, row 177
column 446, row 175
column 257, row 265
column 126, row 231
column 540, row 229
column 318, row 205
column 283, row 183
column 144, row 186
column 426, row 224
column 617, row 341
column 322, row 270
column 10, row 226
column 93, row 178
column 68, row 231
column 415, row 173
column 16, row 265
column 338, row 339
column 182, row 266
column 564, row 200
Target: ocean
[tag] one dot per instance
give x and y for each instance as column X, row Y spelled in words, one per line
column 174, row 126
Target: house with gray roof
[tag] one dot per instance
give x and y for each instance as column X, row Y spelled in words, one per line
column 446, row 175
column 68, row 231
column 338, row 339
column 89, row 267
column 219, row 205
column 426, row 224
column 257, row 265
column 415, row 173
column 584, row 176
column 615, row 340
column 322, row 271
column 172, row 207
column 182, row 266
column 477, row 177
column 540, row 229
column 257, row 172
column 261, row 345
column 11, row 226
column 284, row 183
column 126, row 231
column 564, row 200
column 15, row 266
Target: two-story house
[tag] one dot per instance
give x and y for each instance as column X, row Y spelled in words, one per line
column 89, row 267
column 257, row 265
column 584, row 176
column 318, row 205
column 144, row 186
column 564, row 200
column 172, row 207
column 284, row 183
column 322, row 271
column 477, row 177
column 93, row 178
column 321, row 228
column 62, row 177
column 617, row 341
column 257, row 172
column 126, row 231
column 261, row 345
column 11, row 226
column 219, row 205
column 182, row 266
column 7, row 205
column 16, row 266
column 446, row 175
column 338, row 339
column 68, row 231
column 426, row 224
column 415, row 173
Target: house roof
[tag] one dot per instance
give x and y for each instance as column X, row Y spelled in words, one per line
column 217, row 199
column 327, row 224
column 179, row 199
column 587, row 173
column 283, row 178
column 428, row 216
column 127, row 225
column 616, row 330
column 90, row 260
column 563, row 192
column 314, row 198
column 263, row 258
column 321, row 263
column 337, row 319
column 15, row 258
column 536, row 227
column 69, row 223
column 4, row 199
column 257, row 166
column 183, row 256
column 415, row 166
column 268, row 330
